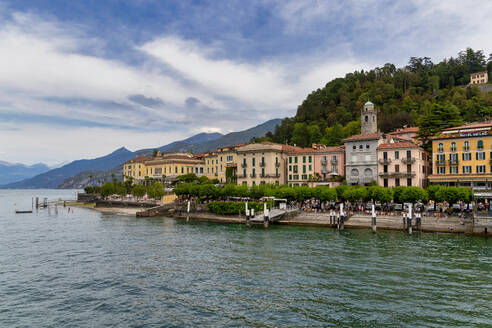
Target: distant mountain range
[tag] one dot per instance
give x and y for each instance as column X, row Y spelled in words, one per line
column 11, row 172
column 80, row 173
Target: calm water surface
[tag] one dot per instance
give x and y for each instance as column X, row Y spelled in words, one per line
column 86, row 269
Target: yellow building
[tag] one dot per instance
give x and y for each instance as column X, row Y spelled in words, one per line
column 169, row 165
column 300, row 166
column 173, row 165
column 135, row 168
column 211, row 165
column 462, row 156
column 227, row 160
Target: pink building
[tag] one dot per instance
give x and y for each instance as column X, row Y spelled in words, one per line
column 402, row 163
column 329, row 165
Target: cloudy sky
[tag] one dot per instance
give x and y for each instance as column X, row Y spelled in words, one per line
column 80, row 78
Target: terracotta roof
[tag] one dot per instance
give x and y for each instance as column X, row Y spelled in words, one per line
column 332, row 149
column 300, row 150
column 366, row 136
column 485, row 124
column 411, row 129
column 232, row 146
column 403, row 144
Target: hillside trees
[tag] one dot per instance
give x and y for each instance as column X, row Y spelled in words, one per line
column 403, row 96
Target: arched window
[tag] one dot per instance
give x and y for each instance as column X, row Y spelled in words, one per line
column 368, row 172
column 466, row 146
column 440, row 147
column 354, row 172
column 480, row 145
column 367, row 118
column 453, row 146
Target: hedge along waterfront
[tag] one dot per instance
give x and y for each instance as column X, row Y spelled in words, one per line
column 323, row 193
column 230, row 208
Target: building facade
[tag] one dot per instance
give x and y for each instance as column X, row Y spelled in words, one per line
column 462, row 156
column 211, row 165
column 361, row 162
column 300, row 171
column 169, row 166
column 402, row 163
column 479, row 78
column 261, row 163
column 329, row 165
column 135, row 168
column 227, row 164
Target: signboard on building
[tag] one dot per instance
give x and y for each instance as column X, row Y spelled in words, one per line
column 474, row 133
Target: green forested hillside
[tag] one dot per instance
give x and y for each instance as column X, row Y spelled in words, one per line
column 417, row 94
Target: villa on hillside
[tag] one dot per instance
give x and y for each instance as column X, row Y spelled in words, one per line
column 479, row 78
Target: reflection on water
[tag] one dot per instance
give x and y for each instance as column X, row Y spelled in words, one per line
column 90, row 269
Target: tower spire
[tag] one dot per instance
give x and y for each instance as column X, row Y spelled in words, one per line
column 369, row 119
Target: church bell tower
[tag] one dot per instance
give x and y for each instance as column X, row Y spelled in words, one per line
column 369, row 119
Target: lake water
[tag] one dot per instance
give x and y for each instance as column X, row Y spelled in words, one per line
column 86, row 269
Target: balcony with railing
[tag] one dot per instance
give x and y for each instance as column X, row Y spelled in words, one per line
column 440, row 162
column 408, row 160
column 262, row 164
column 407, row 174
column 272, row 175
column 384, row 161
column 243, row 165
column 454, row 161
column 242, row 176
column 334, row 160
column 252, row 175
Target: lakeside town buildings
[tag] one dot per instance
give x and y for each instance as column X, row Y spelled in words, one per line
column 461, row 156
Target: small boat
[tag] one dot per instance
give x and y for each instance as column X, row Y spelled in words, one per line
column 21, row 212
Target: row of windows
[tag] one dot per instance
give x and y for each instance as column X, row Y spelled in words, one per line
column 262, row 162
column 253, row 172
column 361, row 147
column 229, row 158
column 169, row 170
column 453, row 158
column 397, row 182
column 295, row 159
column 303, row 176
column 479, row 169
column 293, row 168
column 453, row 147
column 397, row 154
column 244, row 183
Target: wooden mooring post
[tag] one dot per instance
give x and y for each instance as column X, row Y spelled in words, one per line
column 37, row 202
column 188, row 211
column 266, row 218
column 342, row 218
column 409, row 219
column 246, row 210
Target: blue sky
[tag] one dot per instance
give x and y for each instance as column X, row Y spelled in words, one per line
column 79, row 79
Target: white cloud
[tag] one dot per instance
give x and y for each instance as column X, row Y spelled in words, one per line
column 268, row 85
